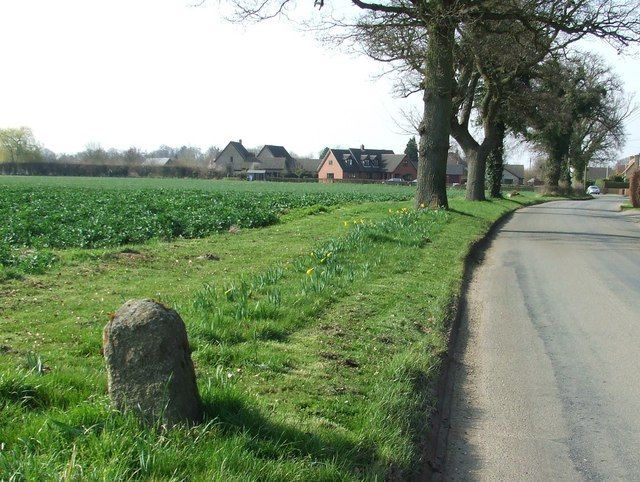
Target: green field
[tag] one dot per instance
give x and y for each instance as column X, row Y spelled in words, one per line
column 314, row 339
column 40, row 213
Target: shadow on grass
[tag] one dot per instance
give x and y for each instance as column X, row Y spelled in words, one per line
column 461, row 213
column 266, row 439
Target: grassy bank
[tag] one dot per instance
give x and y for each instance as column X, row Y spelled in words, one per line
column 313, row 340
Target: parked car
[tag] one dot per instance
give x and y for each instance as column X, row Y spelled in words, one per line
column 394, row 180
column 593, row 190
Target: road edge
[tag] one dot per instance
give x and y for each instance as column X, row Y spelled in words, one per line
column 438, row 428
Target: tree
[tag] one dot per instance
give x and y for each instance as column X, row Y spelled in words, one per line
column 577, row 114
column 19, row 145
column 419, row 36
column 412, row 150
column 132, row 156
column 496, row 163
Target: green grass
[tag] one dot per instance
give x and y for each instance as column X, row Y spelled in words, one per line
column 314, row 341
column 626, row 207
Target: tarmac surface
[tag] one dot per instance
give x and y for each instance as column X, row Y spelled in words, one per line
column 546, row 373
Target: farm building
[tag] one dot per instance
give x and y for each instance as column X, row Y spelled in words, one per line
column 369, row 164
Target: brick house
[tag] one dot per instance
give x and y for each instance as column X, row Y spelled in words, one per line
column 456, row 169
column 365, row 164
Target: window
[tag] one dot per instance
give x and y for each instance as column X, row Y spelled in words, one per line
column 231, row 158
column 329, row 175
column 331, row 162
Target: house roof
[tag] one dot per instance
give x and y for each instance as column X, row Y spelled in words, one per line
column 455, row 169
column 276, row 151
column 515, row 169
column 633, row 161
column 246, row 155
column 271, row 164
column 306, row 164
column 241, row 150
column 454, row 158
column 392, row 161
column 358, row 160
column 156, row 161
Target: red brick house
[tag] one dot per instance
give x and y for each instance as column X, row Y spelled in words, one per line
column 368, row 164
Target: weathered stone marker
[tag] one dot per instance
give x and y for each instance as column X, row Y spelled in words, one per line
column 149, row 365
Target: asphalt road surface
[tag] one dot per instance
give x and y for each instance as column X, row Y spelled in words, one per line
column 546, row 377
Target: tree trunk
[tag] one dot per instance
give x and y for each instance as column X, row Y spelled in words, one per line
column 553, row 168
column 496, row 163
column 476, row 156
column 435, row 126
column 475, row 177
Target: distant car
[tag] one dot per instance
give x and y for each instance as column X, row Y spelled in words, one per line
column 394, row 180
column 593, row 190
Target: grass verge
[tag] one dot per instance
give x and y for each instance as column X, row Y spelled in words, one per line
column 314, row 342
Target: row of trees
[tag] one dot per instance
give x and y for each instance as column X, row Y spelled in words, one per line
column 490, row 68
column 18, row 145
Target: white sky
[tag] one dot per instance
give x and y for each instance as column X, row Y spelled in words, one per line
column 142, row 73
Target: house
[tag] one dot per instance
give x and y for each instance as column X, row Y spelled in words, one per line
column 367, row 164
column 633, row 165
column 306, row 167
column 159, row 161
column 456, row 169
column 456, row 174
column 399, row 166
column 598, row 173
column 269, row 153
column 513, row 174
column 271, row 161
column 234, row 159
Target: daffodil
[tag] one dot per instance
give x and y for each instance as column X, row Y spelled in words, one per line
column 310, row 271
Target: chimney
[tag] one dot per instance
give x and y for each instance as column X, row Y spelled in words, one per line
column 240, row 141
column 362, row 147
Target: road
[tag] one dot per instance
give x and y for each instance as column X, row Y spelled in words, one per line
column 546, row 377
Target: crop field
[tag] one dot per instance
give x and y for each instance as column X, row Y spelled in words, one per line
column 43, row 213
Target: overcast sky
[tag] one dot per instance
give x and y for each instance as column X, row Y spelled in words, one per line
column 142, row 73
